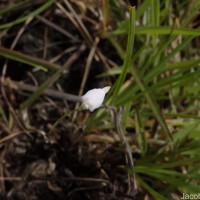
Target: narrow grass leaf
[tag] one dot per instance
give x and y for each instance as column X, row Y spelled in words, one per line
column 158, row 31
column 116, row 11
column 128, row 55
column 167, row 30
column 156, row 70
column 3, row 114
column 155, row 18
column 142, row 8
column 40, row 90
column 154, row 193
column 27, row 59
column 14, row 6
column 36, row 12
column 152, row 102
column 140, row 133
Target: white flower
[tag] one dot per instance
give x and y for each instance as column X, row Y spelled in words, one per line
column 94, row 98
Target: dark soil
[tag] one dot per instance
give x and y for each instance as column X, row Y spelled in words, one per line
column 68, row 163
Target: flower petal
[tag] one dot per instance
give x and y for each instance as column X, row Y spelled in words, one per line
column 93, row 99
column 106, row 89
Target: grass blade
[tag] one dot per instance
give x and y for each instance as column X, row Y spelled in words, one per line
column 32, row 14
column 150, row 189
column 128, row 55
column 158, row 31
column 27, row 59
column 152, row 102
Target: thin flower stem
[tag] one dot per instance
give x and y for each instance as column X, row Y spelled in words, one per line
column 117, row 117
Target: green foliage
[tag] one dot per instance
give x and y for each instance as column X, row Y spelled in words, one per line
column 128, row 55
column 164, row 69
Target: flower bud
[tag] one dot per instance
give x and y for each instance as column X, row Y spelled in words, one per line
column 93, row 99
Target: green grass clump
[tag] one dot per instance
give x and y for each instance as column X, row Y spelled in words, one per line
column 159, row 81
